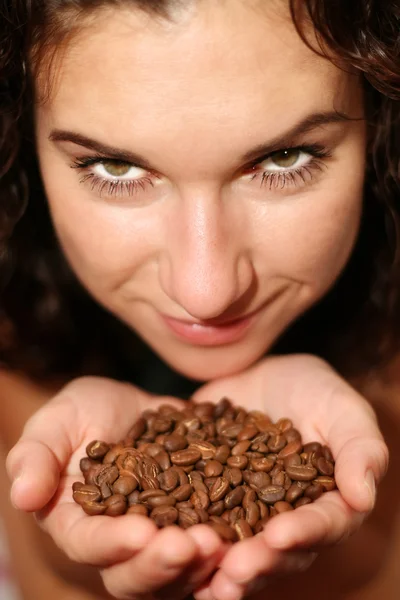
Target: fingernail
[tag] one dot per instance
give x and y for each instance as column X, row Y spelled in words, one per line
column 369, row 481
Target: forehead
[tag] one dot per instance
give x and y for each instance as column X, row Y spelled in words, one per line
column 210, row 65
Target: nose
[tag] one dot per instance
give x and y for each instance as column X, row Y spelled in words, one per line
column 206, row 267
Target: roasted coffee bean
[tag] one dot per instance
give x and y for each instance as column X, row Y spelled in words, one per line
column 155, row 501
column 216, row 508
column 187, row 517
column 233, row 475
column 282, row 506
column 138, row 429
column 219, row 489
column 168, row 480
column 206, row 449
column 243, row 529
column 200, row 500
column 240, row 448
column 314, row 491
column 235, row 514
column 183, row 492
column 222, row 453
column 238, row 462
column 97, row 449
column 271, row 494
column 234, row 498
column 86, row 493
column 247, row 433
column 252, row 513
column 184, row 458
column 213, row 468
column 302, row 502
column 146, row 494
column 94, row 508
column 261, row 464
column 125, row 485
column 133, row 498
column 138, row 509
column 175, row 442
column 115, row 505
column 259, row 480
column 302, row 472
column 231, row 468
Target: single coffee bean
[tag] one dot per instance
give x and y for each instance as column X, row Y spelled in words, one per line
column 152, row 449
column 314, row 491
column 219, row 489
column 168, row 480
column 175, row 442
column 236, row 513
column 113, row 453
column 183, row 478
column 276, row 443
column 86, row 493
column 133, row 498
column 155, row 501
column 115, row 505
column 271, row 494
column 234, row 498
column 312, row 447
column 187, row 517
column 328, row 483
column 282, row 506
column 213, row 468
column 162, row 458
column 146, row 494
column 243, row 529
column 202, row 514
column 240, row 448
column 238, row 462
column 206, row 449
column 138, row 509
column 85, row 464
column 233, row 475
column 284, row 424
column 200, row 500
column 124, row 485
column 222, row 453
column 183, row 492
column 263, row 508
column 249, row 497
column 97, row 449
column 187, row 457
column 138, row 429
column 279, row 479
column 302, row 502
column 94, row 508
column 252, row 514
column 259, row 479
column 292, row 435
column 106, row 474
column 259, row 447
column 248, row 432
column 293, row 448
column 216, row 508
column 183, row 504
column 221, row 407
column 164, row 515
column 325, row 467
column 149, row 483
column 302, row 472
column 232, row 431
column 261, row 464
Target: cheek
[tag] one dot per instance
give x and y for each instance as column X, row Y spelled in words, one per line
column 312, row 240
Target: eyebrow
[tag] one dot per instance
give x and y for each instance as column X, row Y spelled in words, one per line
column 285, row 140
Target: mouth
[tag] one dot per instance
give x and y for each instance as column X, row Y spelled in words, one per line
column 214, row 332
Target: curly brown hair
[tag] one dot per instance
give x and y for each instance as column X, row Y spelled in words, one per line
column 49, row 324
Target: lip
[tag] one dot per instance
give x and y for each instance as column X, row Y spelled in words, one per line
column 206, row 334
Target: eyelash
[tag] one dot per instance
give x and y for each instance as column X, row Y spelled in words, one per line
column 273, row 179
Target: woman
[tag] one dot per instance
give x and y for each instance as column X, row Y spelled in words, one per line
column 210, row 175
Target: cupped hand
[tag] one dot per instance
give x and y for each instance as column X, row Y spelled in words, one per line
column 136, row 559
column 326, row 409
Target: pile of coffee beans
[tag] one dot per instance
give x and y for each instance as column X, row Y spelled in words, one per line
column 208, row 463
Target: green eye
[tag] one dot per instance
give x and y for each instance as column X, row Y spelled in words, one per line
column 116, row 169
column 285, row 158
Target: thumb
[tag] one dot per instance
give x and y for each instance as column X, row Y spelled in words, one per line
column 34, row 464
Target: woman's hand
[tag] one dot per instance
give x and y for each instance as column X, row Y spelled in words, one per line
column 137, row 561
column 324, row 408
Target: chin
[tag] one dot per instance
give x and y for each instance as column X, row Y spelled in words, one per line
column 208, row 368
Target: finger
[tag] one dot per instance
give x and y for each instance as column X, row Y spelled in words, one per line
column 251, row 565
column 211, row 550
column 361, row 462
column 161, row 562
column 327, row 521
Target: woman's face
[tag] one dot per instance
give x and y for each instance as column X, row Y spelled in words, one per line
column 203, row 181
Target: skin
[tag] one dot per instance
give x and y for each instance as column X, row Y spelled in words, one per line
column 209, row 244
column 204, row 241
